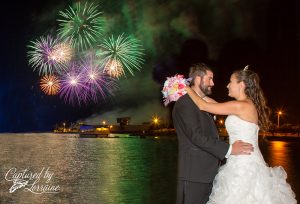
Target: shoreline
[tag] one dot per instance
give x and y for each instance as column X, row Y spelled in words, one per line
column 288, row 137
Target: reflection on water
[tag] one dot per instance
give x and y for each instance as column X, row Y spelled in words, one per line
column 285, row 154
column 90, row 170
column 116, row 170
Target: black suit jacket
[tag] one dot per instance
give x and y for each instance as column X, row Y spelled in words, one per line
column 200, row 149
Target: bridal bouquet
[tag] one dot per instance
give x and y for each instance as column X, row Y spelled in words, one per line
column 174, row 88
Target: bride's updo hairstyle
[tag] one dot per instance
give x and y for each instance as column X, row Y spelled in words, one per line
column 256, row 95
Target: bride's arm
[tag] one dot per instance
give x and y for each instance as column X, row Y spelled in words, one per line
column 209, row 100
column 227, row 108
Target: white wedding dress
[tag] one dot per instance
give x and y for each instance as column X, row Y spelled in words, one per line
column 247, row 179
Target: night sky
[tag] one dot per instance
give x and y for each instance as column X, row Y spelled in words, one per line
column 175, row 34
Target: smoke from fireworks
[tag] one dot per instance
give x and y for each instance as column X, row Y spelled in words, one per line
column 50, row 84
column 82, row 25
column 122, row 53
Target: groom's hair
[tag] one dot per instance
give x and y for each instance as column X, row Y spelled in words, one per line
column 198, row 69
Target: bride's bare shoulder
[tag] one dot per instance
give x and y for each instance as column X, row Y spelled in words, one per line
column 249, row 111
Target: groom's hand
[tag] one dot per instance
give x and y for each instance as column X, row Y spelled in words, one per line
column 239, row 147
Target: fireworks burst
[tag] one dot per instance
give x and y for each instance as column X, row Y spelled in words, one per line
column 41, row 56
column 73, row 88
column 122, row 53
column 50, row 84
column 82, row 25
column 99, row 84
column 95, row 76
column 62, row 53
column 114, row 68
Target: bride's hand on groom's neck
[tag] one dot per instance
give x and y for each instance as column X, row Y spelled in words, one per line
column 192, row 93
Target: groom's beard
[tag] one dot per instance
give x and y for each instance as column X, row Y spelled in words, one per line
column 205, row 89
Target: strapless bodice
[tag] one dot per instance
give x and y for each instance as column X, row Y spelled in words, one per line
column 239, row 129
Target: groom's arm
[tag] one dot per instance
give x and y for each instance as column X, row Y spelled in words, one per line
column 187, row 119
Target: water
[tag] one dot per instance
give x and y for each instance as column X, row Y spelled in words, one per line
column 116, row 170
column 285, row 154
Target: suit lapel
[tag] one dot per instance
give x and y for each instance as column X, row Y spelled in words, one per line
column 211, row 120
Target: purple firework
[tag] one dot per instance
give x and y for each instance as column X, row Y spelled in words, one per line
column 100, row 85
column 42, row 55
column 73, row 86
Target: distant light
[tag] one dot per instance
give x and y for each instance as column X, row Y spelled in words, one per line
column 279, row 113
column 155, row 120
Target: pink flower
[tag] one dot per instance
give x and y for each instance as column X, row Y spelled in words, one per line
column 174, row 88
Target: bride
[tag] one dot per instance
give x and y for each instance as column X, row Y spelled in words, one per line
column 246, row 179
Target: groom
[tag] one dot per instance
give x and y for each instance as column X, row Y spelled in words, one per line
column 200, row 150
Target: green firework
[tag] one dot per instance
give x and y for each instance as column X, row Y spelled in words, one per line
column 82, row 25
column 124, row 51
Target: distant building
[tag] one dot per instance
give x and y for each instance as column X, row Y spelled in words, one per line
column 85, row 128
column 123, row 121
column 131, row 128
